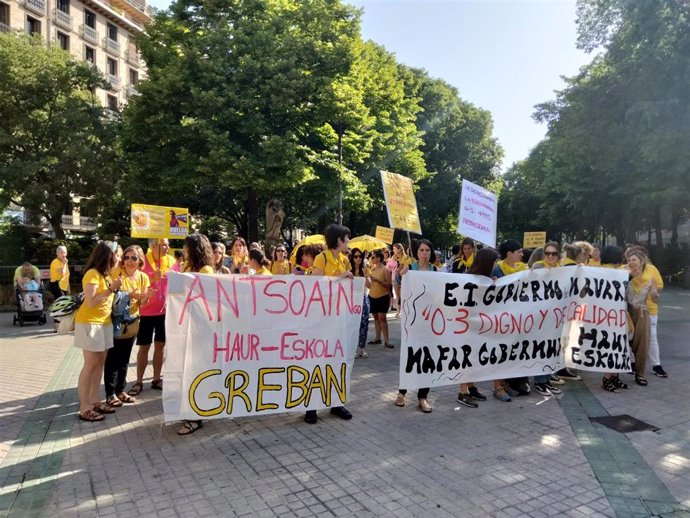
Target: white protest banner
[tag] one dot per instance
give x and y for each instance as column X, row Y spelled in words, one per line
column 478, row 214
column 459, row 328
column 240, row 345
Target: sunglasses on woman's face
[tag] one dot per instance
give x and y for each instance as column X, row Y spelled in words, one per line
column 357, row 256
column 551, row 253
column 130, row 258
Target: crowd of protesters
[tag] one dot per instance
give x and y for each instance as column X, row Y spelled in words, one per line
column 111, row 271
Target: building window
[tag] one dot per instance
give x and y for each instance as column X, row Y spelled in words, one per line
column 63, row 5
column 90, row 54
column 33, row 26
column 112, row 32
column 63, row 41
column 133, row 76
column 112, row 67
column 89, row 19
column 4, row 17
column 112, row 102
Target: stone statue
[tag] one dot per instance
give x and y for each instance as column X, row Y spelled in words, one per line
column 274, row 220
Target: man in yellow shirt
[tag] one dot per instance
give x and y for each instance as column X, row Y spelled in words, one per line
column 27, row 271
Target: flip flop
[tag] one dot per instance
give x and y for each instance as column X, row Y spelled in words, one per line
column 114, row 401
column 103, row 408
column 157, row 384
column 374, row 342
column 125, row 398
column 91, row 416
column 189, row 427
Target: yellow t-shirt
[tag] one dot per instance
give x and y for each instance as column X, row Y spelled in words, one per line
column 281, row 267
column 166, row 262
column 57, row 268
column 330, row 265
column 140, row 282
column 263, row 271
column 35, row 272
column 592, row 262
column 204, row 269
column 101, row 313
column 651, row 273
column 507, row 269
column 377, row 289
column 568, row 262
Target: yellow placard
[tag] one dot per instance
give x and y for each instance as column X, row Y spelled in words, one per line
column 400, row 202
column 385, row 234
column 153, row 221
column 534, row 239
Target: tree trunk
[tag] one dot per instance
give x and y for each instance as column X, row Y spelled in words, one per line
column 56, row 225
column 675, row 219
column 252, row 215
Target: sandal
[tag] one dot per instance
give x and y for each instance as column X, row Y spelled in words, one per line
column 157, row 384
column 640, row 381
column 103, row 408
column 113, row 401
column 189, row 427
column 125, row 398
column 609, row 385
column 374, row 342
column 400, row 400
column 91, row 416
column 136, row 389
column 389, row 346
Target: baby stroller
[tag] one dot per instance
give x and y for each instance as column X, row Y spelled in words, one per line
column 29, row 306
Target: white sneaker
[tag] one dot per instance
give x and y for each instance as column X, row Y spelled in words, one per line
column 361, row 353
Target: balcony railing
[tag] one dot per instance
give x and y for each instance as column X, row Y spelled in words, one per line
column 132, row 57
column 137, row 5
column 81, row 223
column 111, row 46
column 130, row 90
column 114, row 82
column 63, row 19
column 37, row 6
column 89, row 33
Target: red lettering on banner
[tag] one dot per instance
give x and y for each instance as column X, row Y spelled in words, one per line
column 244, row 347
column 290, row 298
column 316, row 296
column 234, row 306
column 349, row 300
column 543, row 313
column 462, row 319
column 253, row 279
column 308, row 348
column 196, row 283
column 276, row 295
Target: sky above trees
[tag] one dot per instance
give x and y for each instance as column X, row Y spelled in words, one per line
column 504, row 56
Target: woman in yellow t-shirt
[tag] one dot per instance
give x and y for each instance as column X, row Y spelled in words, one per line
column 93, row 329
column 360, row 269
column 258, row 262
column 333, row 262
column 59, row 273
column 379, row 296
column 280, row 264
column 198, row 256
column 136, row 283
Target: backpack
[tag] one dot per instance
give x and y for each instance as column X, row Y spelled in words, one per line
column 123, row 322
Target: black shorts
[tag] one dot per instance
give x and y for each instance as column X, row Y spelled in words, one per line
column 148, row 326
column 380, row 304
column 54, row 287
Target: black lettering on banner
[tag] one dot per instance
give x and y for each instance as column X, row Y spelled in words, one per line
column 449, row 299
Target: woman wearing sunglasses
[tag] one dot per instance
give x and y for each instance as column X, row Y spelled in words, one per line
column 359, row 269
column 136, row 283
column 280, row 264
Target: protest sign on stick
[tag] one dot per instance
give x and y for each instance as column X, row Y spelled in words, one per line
column 459, row 328
column 478, row 214
column 240, row 345
column 154, row 221
column 533, row 239
column 401, row 204
column 385, row 234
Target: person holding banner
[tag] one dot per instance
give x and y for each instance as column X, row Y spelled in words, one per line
column 612, row 257
column 93, row 328
column 218, row 256
column 640, row 289
column 258, row 262
column 595, row 257
column 238, row 261
column 332, row 262
column 426, row 257
column 358, row 269
column 198, row 256
column 403, row 261
column 152, row 314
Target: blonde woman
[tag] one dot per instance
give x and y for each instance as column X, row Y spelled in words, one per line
column 640, row 288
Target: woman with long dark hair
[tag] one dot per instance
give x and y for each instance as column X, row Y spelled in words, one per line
column 198, row 258
column 93, row 329
column 379, row 296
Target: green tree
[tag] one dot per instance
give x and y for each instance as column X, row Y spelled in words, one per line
column 55, row 140
column 233, row 96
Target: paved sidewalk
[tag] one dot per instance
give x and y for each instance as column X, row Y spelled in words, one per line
column 532, row 457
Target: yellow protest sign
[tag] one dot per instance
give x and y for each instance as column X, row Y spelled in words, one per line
column 153, row 221
column 534, row 239
column 385, row 234
column 400, row 202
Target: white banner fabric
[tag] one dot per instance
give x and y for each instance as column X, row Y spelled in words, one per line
column 459, row 328
column 478, row 214
column 240, row 345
